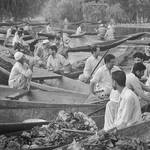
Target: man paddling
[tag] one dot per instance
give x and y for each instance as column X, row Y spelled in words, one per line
column 101, row 83
column 102, row 77
column 90, row 64
column 129, row 110
column 21, row 72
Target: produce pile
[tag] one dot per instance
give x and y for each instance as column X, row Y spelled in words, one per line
column 51, row 135
column 108, row 141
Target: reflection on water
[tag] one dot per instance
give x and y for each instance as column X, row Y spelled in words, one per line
column 125, row 31
column 85, row 40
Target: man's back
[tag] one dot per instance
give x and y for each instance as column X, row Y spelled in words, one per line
column 133, row 83
column 129, row 110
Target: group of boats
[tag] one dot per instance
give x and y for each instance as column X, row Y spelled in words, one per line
column 51, row 92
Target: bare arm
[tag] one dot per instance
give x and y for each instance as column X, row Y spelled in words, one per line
column 92, row 85
column 144, row 87
column 141, row 94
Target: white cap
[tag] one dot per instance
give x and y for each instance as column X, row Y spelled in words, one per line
column 45, row 41
column 18, row 55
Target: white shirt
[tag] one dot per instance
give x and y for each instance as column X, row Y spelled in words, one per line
column 129, row 110
column 48, row 28
column 133, row 83
column 103, row 77
column 8, row 33
column 17, row 39
column 90, row 64
column 58, row 62
column 78, row 30
column 19, row 72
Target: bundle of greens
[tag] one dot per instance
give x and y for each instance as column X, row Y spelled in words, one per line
column 51, row 135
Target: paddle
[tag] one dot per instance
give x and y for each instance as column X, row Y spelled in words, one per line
column 18, row 95
column 6, row 128
column 79, row 131
column 116, row 43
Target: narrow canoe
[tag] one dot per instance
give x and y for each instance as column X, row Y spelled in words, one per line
column 77, row 35
column 44, row 102
column 48, row 78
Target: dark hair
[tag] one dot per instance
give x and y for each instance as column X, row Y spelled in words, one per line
column 94, row 49
column 108, row 58
column 21, row 29
column 138, row 67
column 19, row 32
column 119, row 77
column 138, row 55
column 58, row 38
column 54, row 47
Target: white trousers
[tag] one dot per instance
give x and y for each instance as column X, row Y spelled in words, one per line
column 110, row 114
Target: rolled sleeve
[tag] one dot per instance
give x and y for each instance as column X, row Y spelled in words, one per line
column 97, row 76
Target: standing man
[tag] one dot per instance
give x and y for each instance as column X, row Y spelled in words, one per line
column 129, row 110
column 79, row 30
column 8, row 35
column 21, row 73
column 90, row 64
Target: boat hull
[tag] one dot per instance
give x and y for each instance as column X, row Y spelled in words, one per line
column 18, row 111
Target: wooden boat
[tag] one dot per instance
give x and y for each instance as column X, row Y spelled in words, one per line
column 43, row 102
column 49, row 78
column 4, row 31
column 49, row 35
column 107, row 44
column 77, row 35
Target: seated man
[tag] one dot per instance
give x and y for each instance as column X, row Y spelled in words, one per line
column 137, row 58
column 90, row 64
column 103, row 75
column 56, row 62
column 129, row 110
column 133, row 82
column 18, row 43
column 21, row 72
column 101, row 83
column 42, row 52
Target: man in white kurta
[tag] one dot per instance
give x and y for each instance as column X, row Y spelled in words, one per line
column 128, row 110
column 133, row 82
column 20, row 75
column 56, row 61
column 17, row 38
column 78, row 31
column 8, row 35
column 90, row 64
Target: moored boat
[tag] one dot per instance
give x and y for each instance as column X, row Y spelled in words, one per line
column 50, row 78
column 44, row 103
column 77, row 35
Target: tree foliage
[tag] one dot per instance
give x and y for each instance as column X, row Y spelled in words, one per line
column 19, row 8
column 76, row 10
